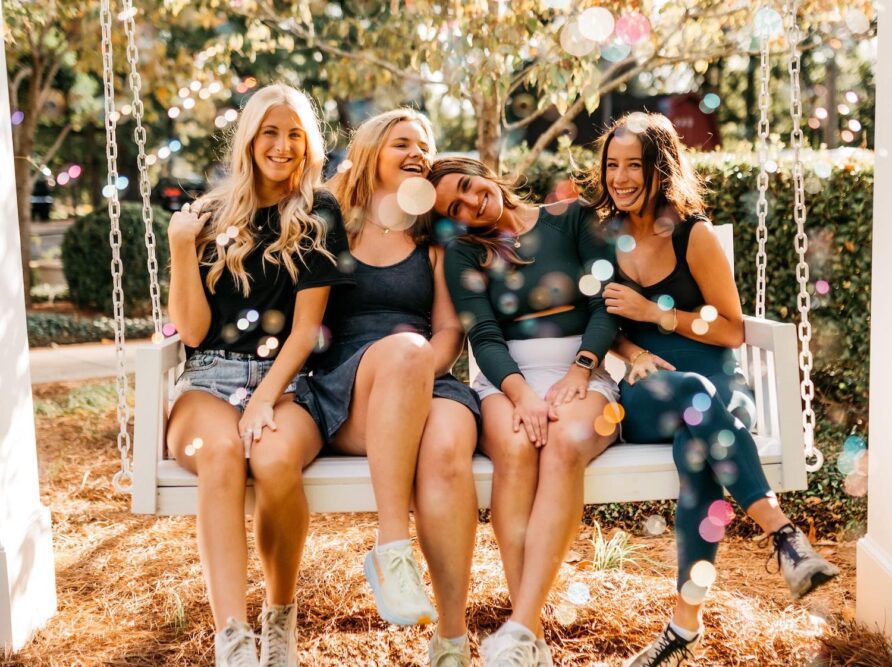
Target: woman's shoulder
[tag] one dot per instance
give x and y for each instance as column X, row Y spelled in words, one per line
column 324, row 199
column 460, row 249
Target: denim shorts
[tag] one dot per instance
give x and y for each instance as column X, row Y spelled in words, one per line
column 230, row 376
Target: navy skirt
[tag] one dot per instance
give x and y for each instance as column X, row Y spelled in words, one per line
column 327, row 396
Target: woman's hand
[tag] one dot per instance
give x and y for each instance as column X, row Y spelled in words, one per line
column 644, row 363
column 258, row 414
column 626, row 302
column 533, row 414
column 185, row 225
column 574, row 384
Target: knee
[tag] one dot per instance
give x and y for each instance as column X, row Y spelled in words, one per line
column 444, row 459
column 275, row 466
column 570, row 444
column 406, row 356
column 514, row 455
column 221, row 462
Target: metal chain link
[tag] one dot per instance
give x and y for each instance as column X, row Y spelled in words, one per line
column 762, row 181
column 803, row 301
column 123, row 479
column 139, row 134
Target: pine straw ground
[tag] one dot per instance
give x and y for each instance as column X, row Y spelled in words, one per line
column 131, row 592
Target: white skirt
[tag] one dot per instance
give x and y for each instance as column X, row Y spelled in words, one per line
column 544, row 361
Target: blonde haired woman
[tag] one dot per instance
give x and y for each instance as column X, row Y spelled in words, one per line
column 395, row 337
column 251, row 267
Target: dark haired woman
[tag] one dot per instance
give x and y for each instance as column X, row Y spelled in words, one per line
column 676, row 297
column 539, row 341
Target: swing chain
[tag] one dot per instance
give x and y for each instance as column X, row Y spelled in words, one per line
column 762, row 204
column 139, row 134
column 123, row 479
column 813, row 456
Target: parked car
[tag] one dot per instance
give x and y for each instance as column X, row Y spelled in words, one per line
column 41, row 200
column 172, row 193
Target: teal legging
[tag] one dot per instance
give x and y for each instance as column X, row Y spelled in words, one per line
column 707, row 419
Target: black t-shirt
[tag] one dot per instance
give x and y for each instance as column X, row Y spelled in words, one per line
column 259, row 323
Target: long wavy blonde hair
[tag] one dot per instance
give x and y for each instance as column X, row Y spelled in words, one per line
column 234, row 202
column 354, row 187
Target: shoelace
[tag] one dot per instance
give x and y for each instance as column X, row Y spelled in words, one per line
column 669, row 647
column 401, row 564
column 277, row 636
column 510, row 652
column 784, row 542
column 239, row 649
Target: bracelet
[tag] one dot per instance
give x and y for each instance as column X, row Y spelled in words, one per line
column 638, row 354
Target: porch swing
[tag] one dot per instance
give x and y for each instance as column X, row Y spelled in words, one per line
column 623, row 473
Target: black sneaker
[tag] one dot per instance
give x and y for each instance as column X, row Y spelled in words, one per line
column 668, row 650
column 803, row 569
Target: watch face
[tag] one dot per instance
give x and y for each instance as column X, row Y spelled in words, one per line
column 585, row 361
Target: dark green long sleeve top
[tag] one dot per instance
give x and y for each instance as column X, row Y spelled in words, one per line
column 564, row 244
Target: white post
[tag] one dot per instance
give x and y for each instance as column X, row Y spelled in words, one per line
column 27, row 575
column 874, row 561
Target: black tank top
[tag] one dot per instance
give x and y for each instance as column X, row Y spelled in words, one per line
column 384, row 300
column 678, row 290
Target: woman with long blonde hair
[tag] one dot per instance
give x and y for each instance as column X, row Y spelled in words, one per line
column 384, row 389
column 251, row 267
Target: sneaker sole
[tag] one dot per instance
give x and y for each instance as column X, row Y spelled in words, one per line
column 371, row 576
column 817, row 580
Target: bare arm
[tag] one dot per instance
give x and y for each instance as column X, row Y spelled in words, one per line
column 186, row 302
column 448, row 334
column 713, row 275
column 308, row 311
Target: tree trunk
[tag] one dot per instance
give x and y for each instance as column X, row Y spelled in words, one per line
column 489, row 129
column 23, row 141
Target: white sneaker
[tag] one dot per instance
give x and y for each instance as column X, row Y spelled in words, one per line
column 545, row 659
column 278, row 638
column 445, row 653
column 234, row 645
column 510, row 648
column 395, row 579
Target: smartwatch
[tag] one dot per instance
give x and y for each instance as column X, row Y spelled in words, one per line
column 585, row 362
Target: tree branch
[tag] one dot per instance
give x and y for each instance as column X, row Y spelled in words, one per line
column 14, row 85
column 526, row 120
column 269, row 17
column 57, row 144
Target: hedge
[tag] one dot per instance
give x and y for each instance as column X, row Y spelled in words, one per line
column 60, row 328
column 86, row 258
column 839, row 228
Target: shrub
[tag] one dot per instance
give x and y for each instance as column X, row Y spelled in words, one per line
column 87, row 256
column 839, row 229
column 48, row 328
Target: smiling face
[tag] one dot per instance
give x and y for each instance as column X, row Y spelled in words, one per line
column 404, row 154
column 624, row 173
column 279, row 147
column 472, row 200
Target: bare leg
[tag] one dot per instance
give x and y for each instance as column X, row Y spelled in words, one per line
column 220, row 466
column 391, row 401
column 446, row 508
column 515, row 476
column 281, row 516
column 557, row 510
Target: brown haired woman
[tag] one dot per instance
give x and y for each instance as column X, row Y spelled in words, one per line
column 676, row 297
column 539, row 341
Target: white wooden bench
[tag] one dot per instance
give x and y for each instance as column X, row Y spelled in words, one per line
column 624, row 473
